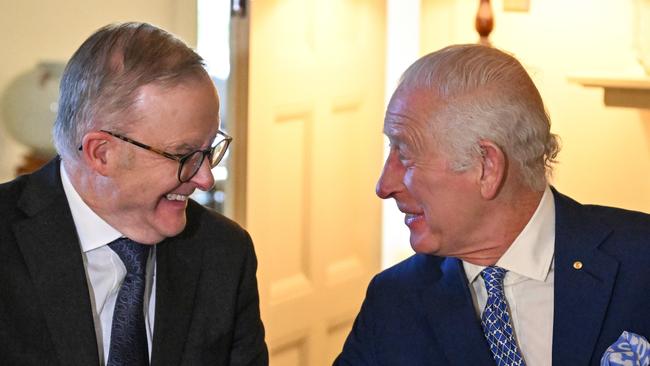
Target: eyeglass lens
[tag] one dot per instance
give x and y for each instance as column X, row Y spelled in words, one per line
column 192, row 163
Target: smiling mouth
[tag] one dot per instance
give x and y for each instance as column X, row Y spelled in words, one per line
column 411, row 218
column 176, row 197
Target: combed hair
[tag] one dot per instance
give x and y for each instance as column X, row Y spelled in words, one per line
column 485, row 94
column 103, row 77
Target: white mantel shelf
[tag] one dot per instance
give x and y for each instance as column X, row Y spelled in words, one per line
column 619, row 91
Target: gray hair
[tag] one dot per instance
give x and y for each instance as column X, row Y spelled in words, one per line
column 486, row 94
column 103, row 77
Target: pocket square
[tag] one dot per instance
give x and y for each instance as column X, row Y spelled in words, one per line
column 629, row 350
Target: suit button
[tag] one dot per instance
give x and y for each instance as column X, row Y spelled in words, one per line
column 577, row 265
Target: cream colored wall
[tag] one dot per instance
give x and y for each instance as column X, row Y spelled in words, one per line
column 606, row 150
column 36, row 30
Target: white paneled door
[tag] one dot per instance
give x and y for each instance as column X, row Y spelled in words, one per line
column 314, row 151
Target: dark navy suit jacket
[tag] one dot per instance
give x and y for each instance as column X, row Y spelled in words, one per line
column 207, row 309
column 420, row 311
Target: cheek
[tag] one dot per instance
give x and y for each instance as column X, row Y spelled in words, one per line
column 417, row 184
column 148, row 190
column 413, row 183
column 407, row 179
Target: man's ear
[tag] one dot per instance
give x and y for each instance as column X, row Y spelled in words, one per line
column 494, row 167
column 96, row 150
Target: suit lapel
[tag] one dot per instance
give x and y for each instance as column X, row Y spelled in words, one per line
column 178, row 262
column 581, row 295
column 453, row 318
column 50, row 247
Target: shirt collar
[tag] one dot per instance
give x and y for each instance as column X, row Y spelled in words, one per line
column 92, row 230
column 531, row 253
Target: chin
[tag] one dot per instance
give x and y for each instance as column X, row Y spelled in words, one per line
column 424, row 245
column 175, row 229
column 171, row 228
column 419, row 247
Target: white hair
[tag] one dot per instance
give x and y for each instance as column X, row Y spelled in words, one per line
column 485, row 94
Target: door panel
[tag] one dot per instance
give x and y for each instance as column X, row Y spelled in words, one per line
column 314, row 151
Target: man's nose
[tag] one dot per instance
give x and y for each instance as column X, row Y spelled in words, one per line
column 391, row 178
column 203, row 178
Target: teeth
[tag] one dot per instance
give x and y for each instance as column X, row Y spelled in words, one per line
column 176, row 197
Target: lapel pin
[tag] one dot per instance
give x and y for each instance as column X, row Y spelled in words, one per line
column 577, row 265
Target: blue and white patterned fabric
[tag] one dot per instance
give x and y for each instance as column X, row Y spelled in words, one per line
column 128, row 333
column 496, row 320
column 629, row 350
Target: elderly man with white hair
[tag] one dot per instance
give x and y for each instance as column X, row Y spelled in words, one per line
column 507, row 270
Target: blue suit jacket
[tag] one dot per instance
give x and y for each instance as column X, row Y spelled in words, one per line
column 420, row 311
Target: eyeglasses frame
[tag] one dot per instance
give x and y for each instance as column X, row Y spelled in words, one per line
column 181, row 159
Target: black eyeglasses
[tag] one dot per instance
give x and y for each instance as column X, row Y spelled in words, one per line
column 189, row 164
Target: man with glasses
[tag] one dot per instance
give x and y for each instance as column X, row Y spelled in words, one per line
column 105, row 259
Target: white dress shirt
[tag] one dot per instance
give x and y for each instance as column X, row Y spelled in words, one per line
column 104, row 269
column 528, row 284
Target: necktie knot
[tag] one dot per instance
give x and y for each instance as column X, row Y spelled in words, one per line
column 134, row 255
column 493, row 277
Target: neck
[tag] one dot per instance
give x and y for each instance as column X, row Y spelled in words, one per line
column 504, row 220
column 94, row 189
column 102, row 196
column 83, row 181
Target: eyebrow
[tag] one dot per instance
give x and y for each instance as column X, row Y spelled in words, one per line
column 396, row 128
column 179, row 148
column 396, row 119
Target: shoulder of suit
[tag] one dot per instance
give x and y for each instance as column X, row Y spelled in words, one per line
column 613, row 217
column 619, row 218
column 10, row 193
column 10, row 189
column 417, row 268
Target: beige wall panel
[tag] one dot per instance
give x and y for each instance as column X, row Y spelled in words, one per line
column 605, row 157
column 33, row 30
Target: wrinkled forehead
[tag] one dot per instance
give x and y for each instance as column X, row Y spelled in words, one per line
column 410, row 111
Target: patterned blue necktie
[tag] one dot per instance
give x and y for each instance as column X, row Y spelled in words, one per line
column 128, row 334
column 496, row 320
